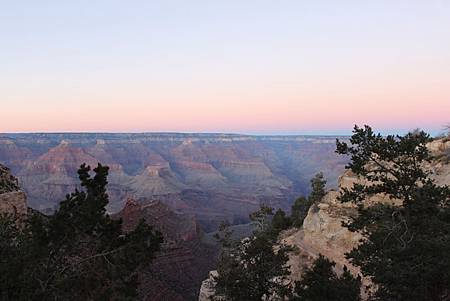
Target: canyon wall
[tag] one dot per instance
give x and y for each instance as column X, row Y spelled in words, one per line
column 212, row 176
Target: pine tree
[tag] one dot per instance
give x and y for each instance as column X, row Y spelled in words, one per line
column 77, row 253
column 406, row 245
column 299, row 211
column 318, row 189
column 252, row 269
column 302, row 205
column 280, row 222
column 321, row 282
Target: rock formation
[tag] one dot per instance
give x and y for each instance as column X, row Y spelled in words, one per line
column 12, row 200
column 175, row 226
column 207, row 289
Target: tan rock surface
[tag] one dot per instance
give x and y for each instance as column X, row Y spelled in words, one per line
column 323, row 233
column 207, row 289
column 12, row 200
column 14, row 203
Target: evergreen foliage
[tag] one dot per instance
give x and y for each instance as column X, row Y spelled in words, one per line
column 280, row 221
column 321, row 282
column 77, row 253
column 299, row 211
column 406, row 245
column 302, row 205
column 317, row 188
column 252, row 269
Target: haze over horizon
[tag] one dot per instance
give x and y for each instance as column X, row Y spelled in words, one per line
column 251, row 67
column 330, row 133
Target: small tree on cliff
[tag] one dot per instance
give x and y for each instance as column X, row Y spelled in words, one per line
column 280, row 222
column 253, row 268
column 320, row 282
column 78, row 253
column 317, row 188
column 299, row 211
column 301, row 205
column 406, row 245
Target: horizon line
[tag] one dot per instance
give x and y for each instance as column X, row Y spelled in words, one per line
column 170, row 133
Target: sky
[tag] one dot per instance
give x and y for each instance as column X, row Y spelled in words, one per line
column 257, row 67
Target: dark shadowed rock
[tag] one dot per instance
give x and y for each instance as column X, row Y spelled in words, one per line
column 185, row 259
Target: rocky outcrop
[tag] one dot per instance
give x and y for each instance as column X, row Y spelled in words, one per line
column 12, row 200
column 8, row 182
column 175, row 226
column 439, row 146
column 440, row 166
column 207, row 289
column 322, row 231
column 14, row 203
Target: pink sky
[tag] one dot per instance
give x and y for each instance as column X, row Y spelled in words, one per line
column 289, row 67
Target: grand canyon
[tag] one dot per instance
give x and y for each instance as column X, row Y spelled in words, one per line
column 179, row 270
column 184, row 185
column 213, row 177
column 225, row 150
